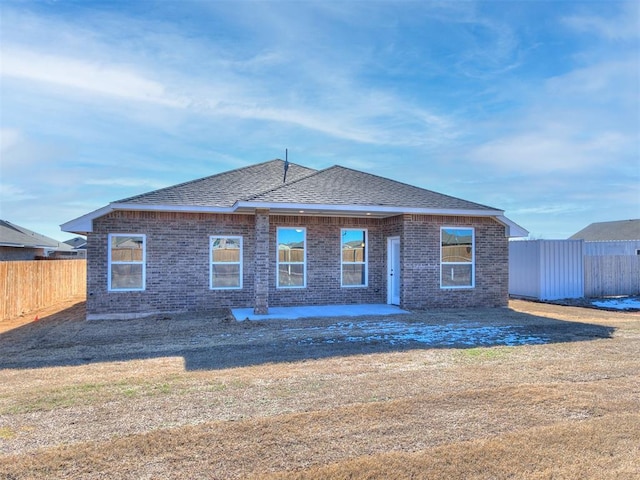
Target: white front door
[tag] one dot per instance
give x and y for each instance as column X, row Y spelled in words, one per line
column 393, row 270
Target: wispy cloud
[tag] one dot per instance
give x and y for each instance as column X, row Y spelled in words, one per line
column 91, row 77
column 126, row 182
column 622, row 24
column 14, row 193
column 9, row 138
column 576, row 121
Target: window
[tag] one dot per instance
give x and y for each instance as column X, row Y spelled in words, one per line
column 354, row 258
column 226, row 262
column 292, row 270
column 127, row 258
column 457, row 262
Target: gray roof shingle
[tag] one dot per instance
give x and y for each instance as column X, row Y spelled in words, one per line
column 12, row 235
column 263, row 183
column 343, row 186
column 603, row 231
column 223, row 189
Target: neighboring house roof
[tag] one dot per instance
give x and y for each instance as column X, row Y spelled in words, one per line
column 603, row 231
column 335, row 191
column 77, row 243
column 12, row 235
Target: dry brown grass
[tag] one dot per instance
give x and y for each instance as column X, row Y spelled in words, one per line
column 566, row 409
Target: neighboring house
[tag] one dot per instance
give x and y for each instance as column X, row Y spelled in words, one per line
column 79, row 246
column 19, row 243
column 77, row 243
column 610, row 238
column 606, row 231
column 335, row 236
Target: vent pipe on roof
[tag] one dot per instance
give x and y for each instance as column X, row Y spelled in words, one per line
column 286, row 164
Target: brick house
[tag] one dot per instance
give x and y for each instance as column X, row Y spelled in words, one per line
column 280, row 234
column 20, row 244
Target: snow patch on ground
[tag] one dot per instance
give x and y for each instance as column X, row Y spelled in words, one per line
column 623, row 303
column 398, row 333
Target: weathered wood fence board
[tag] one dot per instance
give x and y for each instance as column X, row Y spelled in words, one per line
column 611, row 275
column 29, row 285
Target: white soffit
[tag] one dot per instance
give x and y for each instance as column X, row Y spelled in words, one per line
column 84, row 224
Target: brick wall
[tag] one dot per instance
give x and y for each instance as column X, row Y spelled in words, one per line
column 177, row 269
column 420, row 256
column 324, row 262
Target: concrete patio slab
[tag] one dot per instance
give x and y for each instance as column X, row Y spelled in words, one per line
column 293, row 313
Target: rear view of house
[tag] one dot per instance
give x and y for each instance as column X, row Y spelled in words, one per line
column 253, row 237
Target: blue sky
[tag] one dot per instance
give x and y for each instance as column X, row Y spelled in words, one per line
column 532, row 107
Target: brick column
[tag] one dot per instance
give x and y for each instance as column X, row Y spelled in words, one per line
column 261, row 259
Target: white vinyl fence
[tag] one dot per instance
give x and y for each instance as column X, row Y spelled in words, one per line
column 546, row 269
column 555, row 269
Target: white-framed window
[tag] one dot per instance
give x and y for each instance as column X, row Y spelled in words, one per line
column 354, row 257
column 292, row 258
column 457, row 257
column 127, row 262
column 225, row 253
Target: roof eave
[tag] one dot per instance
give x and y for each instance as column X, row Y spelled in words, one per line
column 84, row 224
column 513, row 230
column 361, row 210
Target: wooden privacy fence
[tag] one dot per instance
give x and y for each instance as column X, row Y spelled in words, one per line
column 611, row 275
column 30, row 285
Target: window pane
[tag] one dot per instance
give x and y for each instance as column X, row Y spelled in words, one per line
column 291, row 275
column 286, row 254
column 226, row 276
column 291, row 239
column 225, row 249
column 127, row 276
column 291, row 257
column 456, row 275
column 353, row 245
column 457, row 245
column 126, row 249
column 353, row 274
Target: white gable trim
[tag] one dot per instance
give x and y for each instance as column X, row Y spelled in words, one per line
column 513, row 230
column 84, row 224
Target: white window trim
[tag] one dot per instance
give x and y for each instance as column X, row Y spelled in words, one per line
column 366, row 258
column 212, row 263
column 143, row 262
column 304, row 259
column 473, row 259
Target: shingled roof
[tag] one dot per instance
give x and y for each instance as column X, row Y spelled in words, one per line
column 223, row 189
column 604, row 231
column 337, row 191
column 12, row 235
column 343, row 186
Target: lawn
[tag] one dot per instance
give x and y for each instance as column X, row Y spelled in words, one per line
column 533, row 391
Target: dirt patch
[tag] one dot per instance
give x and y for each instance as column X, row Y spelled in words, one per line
column 203, row 396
